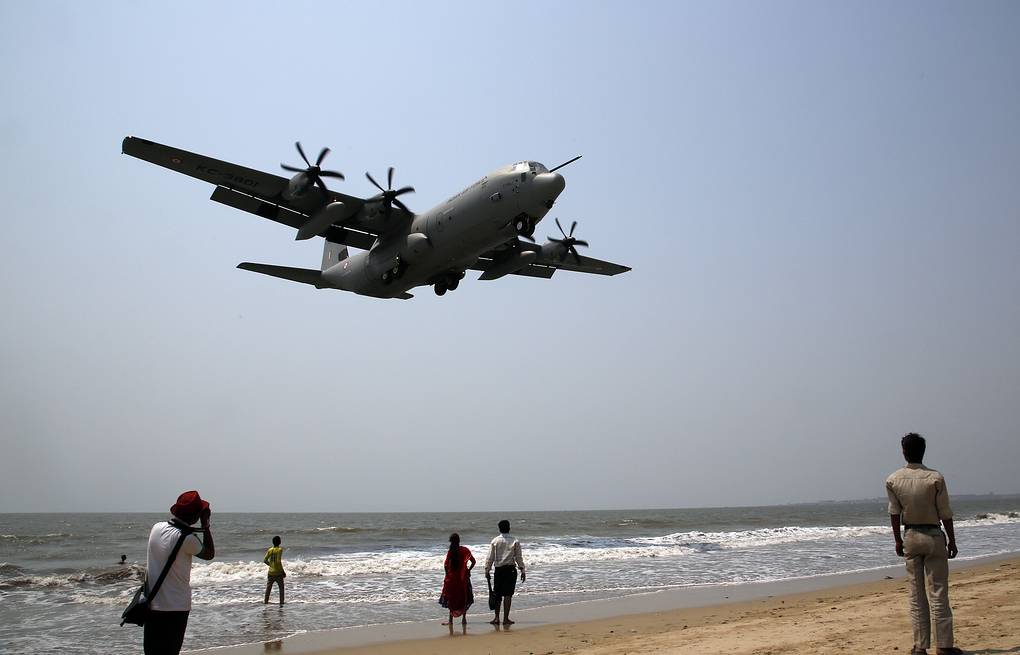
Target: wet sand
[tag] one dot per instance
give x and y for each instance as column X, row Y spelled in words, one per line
column 832, row 614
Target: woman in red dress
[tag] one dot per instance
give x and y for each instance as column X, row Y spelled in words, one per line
column 457, row 595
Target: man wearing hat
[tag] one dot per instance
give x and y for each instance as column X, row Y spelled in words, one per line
column 168, row 619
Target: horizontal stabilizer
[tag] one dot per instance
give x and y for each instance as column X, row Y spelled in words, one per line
column 302, row 275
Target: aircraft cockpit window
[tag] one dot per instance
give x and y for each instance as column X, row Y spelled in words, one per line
column 520, row 167
column 538, row 168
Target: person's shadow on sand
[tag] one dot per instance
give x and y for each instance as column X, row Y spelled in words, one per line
column 1015, row 650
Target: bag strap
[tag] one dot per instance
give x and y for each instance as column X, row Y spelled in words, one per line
column 169, row 563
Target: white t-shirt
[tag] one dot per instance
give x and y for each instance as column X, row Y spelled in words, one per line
column 175, row 593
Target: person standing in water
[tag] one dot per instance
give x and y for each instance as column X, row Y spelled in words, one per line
column 457, row 595
column 505, row 554
column 274, row 558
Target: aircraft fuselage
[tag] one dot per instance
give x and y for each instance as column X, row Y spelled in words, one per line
column 438, row 245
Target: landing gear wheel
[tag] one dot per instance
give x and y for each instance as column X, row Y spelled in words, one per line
column 524, row 226
column 440, row 288
column 453, row 284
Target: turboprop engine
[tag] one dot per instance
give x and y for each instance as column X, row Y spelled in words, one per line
column 558, row 249
column 307, row 178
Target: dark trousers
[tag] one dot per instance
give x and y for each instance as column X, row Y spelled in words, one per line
column 164, row 632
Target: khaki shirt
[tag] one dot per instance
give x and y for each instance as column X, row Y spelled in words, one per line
column 918, row 494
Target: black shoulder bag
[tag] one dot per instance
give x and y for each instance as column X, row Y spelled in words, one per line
column 137, row 611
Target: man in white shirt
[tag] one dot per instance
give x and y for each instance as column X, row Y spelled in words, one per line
column 505, row 553
column 168, row 618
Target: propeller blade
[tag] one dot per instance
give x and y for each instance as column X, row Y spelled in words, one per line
column 572, row 228
column 389, row 179
column 322, row 155
column 553, row 170
column 292, row 169
column 552, row 240
column 578, row 242
column 336, row 174
column 301, row 152
column 402, row 206
column 561, row 228
column 577, row 258
column 322, row 187
column 401, row 191
column 372, row 180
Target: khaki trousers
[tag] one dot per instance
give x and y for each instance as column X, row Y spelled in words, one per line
column 928, row 566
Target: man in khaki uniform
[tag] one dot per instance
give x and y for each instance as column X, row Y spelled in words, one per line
column 918, row 501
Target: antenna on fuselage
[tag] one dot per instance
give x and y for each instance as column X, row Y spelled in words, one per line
column 553, row 170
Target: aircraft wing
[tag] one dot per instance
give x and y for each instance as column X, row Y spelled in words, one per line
column 250, row 190
column 545, row 267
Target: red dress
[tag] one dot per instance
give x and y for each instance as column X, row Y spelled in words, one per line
column 457, row 595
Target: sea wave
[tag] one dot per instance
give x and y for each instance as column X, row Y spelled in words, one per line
column 36, row 538
column 78, row 578
column 986, row 518
column 761, row 537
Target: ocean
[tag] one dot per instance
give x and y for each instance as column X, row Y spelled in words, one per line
column 62, row 589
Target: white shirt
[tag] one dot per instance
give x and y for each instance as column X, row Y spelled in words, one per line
column 504, row 551
column 175, row 593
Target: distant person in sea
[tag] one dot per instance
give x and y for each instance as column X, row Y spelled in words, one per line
column 918, row 501
column 505, row 554
column 168, row 619
column 123, row 559
column 274, row 558
column 457, row 595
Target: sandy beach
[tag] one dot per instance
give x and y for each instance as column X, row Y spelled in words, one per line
column 868, row 617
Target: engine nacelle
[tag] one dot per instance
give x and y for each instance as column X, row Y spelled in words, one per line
column 415, row 247
column 297, row 187
column 553, row 251
column 334, row 212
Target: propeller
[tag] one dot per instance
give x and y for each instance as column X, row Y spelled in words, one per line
column 388, row 195
column 568, row 242
column 313, row 172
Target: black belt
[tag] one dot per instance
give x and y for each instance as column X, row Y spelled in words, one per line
column 922, row 526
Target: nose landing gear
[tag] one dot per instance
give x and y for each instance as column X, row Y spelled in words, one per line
column 524, row 225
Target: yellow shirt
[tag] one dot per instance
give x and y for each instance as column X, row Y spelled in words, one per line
column 274, row 558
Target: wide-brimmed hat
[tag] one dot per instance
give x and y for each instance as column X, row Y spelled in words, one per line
column 189, row 505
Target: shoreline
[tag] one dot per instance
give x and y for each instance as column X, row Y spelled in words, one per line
column 636, row 615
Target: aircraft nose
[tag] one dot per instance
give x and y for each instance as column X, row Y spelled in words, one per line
column 550, row 185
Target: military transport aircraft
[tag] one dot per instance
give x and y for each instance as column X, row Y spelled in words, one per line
column 476, row 229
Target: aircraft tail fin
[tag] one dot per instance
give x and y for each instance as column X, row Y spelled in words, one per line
column 332, row 254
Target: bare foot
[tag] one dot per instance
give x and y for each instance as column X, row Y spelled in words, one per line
column 446, row 623
column 508, row 622
column 494, row 622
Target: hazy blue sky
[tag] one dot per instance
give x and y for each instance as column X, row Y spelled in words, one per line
column 820, row 202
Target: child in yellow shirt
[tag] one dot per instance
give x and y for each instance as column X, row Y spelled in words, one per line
column 274, row 558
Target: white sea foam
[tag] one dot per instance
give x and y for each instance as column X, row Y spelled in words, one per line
column 758, row 538
column 992, row 518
